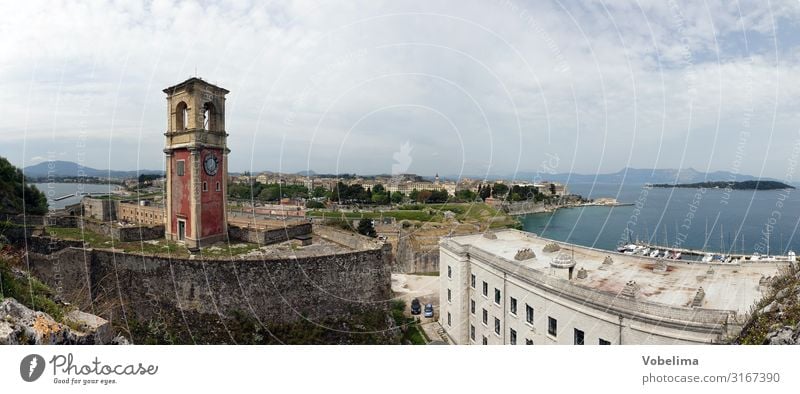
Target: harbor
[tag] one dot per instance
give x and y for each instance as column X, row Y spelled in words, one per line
column 672, row 253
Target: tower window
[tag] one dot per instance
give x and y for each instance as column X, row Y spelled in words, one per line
column 181, row 167
column 181, row 116
column 205, row 186
column 219, row 188
column 209, row 114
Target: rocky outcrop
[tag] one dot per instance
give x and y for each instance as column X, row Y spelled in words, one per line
column 20, row 325
column 785, row 335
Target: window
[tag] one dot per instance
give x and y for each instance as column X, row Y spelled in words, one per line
column 449, row 321
column 497, row 296
column 219, row 187
column 512, row 336
column 205, row 186
column 472, row 306
column 181, row 167
column 578, row 337
column 485, row 340
column 472, row 281
column 497, row 326
column 485, row 289
column 181, row 116
column 528, row 341
column 552, row 326
column 604, row 342
column 485, row 317
column 528, row 314
column 471, row 332
column 513, row 306
column 448, row 295
column 449, row 272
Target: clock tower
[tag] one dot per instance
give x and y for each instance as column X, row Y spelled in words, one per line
column 197, row 163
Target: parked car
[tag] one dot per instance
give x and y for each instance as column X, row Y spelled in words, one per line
column 416, row 309
column 428, row 310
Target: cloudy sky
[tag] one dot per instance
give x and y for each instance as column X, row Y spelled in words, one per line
column 455, row 87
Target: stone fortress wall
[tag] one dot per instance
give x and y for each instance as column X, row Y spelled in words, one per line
column 126, row 287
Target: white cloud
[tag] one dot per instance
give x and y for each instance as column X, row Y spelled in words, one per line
column 603, row 84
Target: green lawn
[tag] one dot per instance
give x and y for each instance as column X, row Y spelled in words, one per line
column 464, row 212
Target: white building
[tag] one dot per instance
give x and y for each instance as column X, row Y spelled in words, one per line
column 503, row 288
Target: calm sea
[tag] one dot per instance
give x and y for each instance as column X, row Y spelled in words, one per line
column 56, row 190
column 714, row 220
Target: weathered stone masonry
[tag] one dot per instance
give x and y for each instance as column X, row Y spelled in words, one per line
column 272, row 291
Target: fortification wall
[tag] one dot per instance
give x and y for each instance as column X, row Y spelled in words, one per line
column 122, row 234
column 267, row 237
column 196, row 294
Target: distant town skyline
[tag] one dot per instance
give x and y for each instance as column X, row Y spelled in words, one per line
column 459, row 88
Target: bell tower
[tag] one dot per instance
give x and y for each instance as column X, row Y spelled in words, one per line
column 197, row 163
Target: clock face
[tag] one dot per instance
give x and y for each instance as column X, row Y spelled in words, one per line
column 211, row 164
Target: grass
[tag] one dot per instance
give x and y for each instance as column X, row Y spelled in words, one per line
column 412, row 333
column 158, row 247
column 28, row 291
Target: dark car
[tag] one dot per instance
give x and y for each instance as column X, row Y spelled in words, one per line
column 416, row 309
column 428, row 310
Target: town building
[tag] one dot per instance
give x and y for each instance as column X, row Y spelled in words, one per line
column 513, row 287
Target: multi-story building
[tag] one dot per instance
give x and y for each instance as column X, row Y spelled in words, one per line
column 141, row 212
column 513, row 287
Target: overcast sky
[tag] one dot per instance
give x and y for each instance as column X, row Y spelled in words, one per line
column 454, row 87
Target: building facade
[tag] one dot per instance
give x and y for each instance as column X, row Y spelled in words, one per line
column 197, row 163
column 510, row 287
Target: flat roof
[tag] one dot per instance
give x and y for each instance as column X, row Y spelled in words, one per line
column 733, row 287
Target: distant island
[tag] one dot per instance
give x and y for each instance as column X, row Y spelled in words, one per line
column 743, row 185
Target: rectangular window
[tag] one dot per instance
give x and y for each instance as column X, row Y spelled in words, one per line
column 513, row 306
column 528, row 341
column 471, row 332
column 578, row 337
column 219, row 188
column 604, row 342
column 449, row 321
column 448, row 295
column 485, row 289
column 529, row 314
column 552, row 326
column 472, row 281
column 181, row 167
column 497, row 296
column 472, row 306
column 205, row 186
column 449, row 272
column 485, row 317
column 512, row 336
column 485, row 340
column 497, row 326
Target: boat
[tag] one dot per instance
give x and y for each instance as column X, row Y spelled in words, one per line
column 654, row 253
column 677, row 256
column 707, row 258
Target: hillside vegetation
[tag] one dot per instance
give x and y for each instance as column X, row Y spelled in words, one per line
column 15, row 195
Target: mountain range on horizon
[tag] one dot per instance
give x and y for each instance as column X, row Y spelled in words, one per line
column 627, row 175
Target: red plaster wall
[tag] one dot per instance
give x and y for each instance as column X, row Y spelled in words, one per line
column 212, row 201
column 181, row 192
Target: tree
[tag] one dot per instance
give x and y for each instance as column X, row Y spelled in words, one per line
column 365, row 227
column 311, row 204
column 379, row 189
column 397, row 197
column 485, row 192
column 318, row 191
column 499, row 190
column 16, row 195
